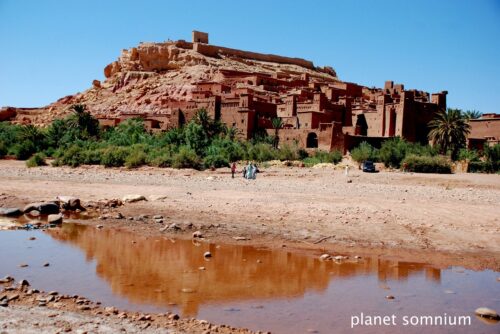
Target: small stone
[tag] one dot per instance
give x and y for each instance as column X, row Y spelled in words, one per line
column 349, row 181
column 122, row 315
column 24, row 283
column 23, row 265
column 55, row 219
column 32, row 238
column 357, row 257
column 207, row 254
column 487, row 313
column 111, row 309
column 241, row 238
column 133, row 198
column 46, row 264
column 187, row 290
column 259, row 261
column 173, row 317
column 197, row 234
column 157, row 217
column 325, row 257
column 84, row 308
column 99, row 227
column 4, row 303
column 201, row 268
column 53, row 293
column 389, row 297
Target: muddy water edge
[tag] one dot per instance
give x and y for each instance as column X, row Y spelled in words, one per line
column 278, row 290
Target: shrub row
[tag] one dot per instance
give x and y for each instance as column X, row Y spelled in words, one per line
column 427, row 164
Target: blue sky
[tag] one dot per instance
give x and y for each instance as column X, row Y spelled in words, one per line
column 50, row 49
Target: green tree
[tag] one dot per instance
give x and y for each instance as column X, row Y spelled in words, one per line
column 472, row 114
column 449, row 130
column 82, row 120
column 277, row 124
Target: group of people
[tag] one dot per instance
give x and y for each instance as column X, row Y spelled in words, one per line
column 249, row 171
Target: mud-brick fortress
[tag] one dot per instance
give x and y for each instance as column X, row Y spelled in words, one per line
column 317, row 110
column 167, row 83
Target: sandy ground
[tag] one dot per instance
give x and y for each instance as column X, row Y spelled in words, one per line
column 439, row 219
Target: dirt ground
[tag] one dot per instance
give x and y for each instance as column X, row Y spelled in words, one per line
column 442, row 220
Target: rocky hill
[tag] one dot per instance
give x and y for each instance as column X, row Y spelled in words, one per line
column 143, row 78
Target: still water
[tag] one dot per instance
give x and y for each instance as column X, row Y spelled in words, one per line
column 244, row 286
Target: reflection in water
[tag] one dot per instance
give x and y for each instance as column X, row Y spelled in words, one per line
column 161, row 271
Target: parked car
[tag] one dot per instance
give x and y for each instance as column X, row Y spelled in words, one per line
column 369, row 167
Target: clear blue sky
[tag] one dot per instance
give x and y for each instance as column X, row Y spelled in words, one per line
column 49, row 49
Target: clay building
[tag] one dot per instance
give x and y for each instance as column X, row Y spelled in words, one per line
column 317, row 110
column 484, row 130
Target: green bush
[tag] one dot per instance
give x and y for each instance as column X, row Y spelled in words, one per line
column 23, row 150
column 427, row 164
column 38, row 159
column 393, row 151
column 114, row 156
column 3, row 149
column 74, row 156
column 136, row 158
column 186, row 158
column 364, row 152
column 262, row 152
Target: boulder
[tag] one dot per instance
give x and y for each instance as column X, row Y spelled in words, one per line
column 487, row 313
column 133, row 198
column 46, row 208
column 69, row 202
column 10, row 212
column 55, row 219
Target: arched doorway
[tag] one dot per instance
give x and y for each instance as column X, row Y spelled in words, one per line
column 312, row 140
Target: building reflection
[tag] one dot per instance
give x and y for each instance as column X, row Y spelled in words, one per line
column 160, row 271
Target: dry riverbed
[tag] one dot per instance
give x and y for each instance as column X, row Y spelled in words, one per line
column 442, row 220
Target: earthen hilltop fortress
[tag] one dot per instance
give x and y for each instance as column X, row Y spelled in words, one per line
column 166, row 83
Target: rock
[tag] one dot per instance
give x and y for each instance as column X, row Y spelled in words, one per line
column 4, row 303
column 111, row 309
column 197, row 234
column 23, row 283
column 10, row 212
column 23, row 265
column 46, row 264
column 349, row 181
column 55, row 219
column 187, row 290
column 99, row 227
column 207, row 255
column 34, row 213
column 241, row 238
column 53, row 293
column 339, row 258
column 157, row 197
column 201, row 268
column 173, row 317
column 6, row 279
column 133, row 198
column 174, row 227
column 45, row 208
column 325, row 257
column 157, row 217
column 96, row 83
column 84, row 308
column 389, row 297
column 487, row 313
column 69, row 202
column 32, row 238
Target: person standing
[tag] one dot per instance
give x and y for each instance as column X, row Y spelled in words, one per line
column 233, row 169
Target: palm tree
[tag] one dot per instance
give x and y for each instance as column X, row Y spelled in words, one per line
column 83, row 121
column 449, row 130
column 232, row 132
column 277, row 124
column 472, row 114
